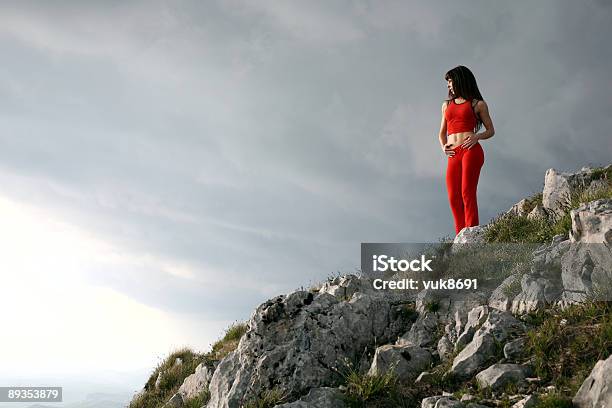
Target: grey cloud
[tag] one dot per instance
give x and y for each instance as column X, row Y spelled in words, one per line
column 237, row 133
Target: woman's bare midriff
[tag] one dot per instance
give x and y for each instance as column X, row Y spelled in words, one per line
column 457, row 138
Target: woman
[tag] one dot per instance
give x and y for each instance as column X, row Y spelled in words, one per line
column 462, row 116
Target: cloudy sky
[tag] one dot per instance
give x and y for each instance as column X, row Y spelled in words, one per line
column 167, row 166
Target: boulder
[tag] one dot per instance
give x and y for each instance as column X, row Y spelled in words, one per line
column 557, row 191
column 195, row 383
column 323, row 397
column 592, row 222
column 498, row 376
column 422, row 332
column 484, row 347
column 407, row 362
column 596, row 390
column 440, row 401
column 586, row 271
column 469, row 235
column 538, row 212
column 514, row 349
column 519, row 209
column 477, row 354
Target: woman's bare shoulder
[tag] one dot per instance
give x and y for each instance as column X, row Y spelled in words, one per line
column 481, row 105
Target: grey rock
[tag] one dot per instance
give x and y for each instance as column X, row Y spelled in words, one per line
column 323, row 397
column 542, row 285
column 514, row 349
column 596, row 186
column 596, row 390
column 474, row 356
column 407, row 362
column 499, row 299
column 586, row 270
column 158, row 379
column 538, row 212
column 467, row 397
column 343, row 287
column 445, row 348
column 467, row 236
column 430, row 402
column 424, row 377
column 529, row 401
column 440, row 401
column 422, row 332
column 592, row 222
column 195, row 383
column 557, row 191
column 175, row 402
column 519, row 208
column 497, row 328
column 475, row 318
column 299, row 341
column 498, row 375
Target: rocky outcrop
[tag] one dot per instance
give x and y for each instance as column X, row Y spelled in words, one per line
column 407, row 362
column 486, row 344
column 498, row 376
column 193, row 385
column 559, row 187
column 596, row 390
column 296, row 342
column 592, row 222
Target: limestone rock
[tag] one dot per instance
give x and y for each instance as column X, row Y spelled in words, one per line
column 529, row 401
column 175, row 402
column 542, row 285
column 469, row 235
column 514, row 349
column 519, row 209
column 407, row 362
column 474, row 356
column 592, row 222
column 538, row 212
column 498, row 375
column 557, row 191
column 596, row 390
column 195, row 383
column 422, row 332
column 440, row 401
column 497, row 328
column 298, row 341
column 323, row 397
column 586, row 270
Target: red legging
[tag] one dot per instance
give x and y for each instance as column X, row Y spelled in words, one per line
column 461, row 181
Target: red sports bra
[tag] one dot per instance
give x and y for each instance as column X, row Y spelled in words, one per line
column 460, row 117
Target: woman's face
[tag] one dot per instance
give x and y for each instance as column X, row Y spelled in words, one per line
column 449, row 83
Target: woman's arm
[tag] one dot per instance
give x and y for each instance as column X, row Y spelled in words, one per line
column 442, row 135
column 483, row 111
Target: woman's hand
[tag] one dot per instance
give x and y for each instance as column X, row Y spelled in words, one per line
column 447, row 150
column 470, row 140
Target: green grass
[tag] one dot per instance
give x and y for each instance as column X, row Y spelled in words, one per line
column 564, row 354
column 267, row 399
column 229, row 341
column 172, row 376
column 554, row 400
column 520, row 229
column 197, row 401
